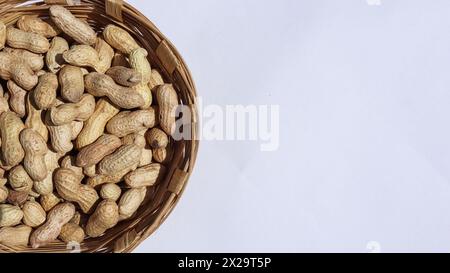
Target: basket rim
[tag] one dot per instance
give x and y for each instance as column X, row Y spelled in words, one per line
column 129, row 240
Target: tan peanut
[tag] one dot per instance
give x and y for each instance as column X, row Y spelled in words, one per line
column 15, row 236
column 60, row 136
column 105, row 54
column 136, row 138
column 124, row 158
column 45, row 187
column 10, row 127
column 110, row 192
column 145, row 92
column 68, row 162
column 157, row 138
column 106, row 216
column 155, row 79
column 17, row 97
column 101, row 85
column 56, row 219
column 163, row 155
column 126, row 123
column 68, row 184
column 120, row 39
column 130, row 202
column 95, row 125
column 44, row 95
column 168, row 102
column 33, row 214
column 34, row 118
column 4, row 104
column 76, row 219
column 146, row 176
column 49, row 201
column 10, row 215
column 2, row 35
column 77, row 126
column 120, row 59
column 3, row 194
column 54, row 58
column 67, row 113
column 33, row 42
column 72, row 233
column 79, row 30
column 146, row 157
column 19, row 180
column 36, row 25
column 125, row 76
column 90, row 171
column 17, row 198
column 35, row 61
column 71, row 79
column 95, row 152
column 13, row 68
column 102, row 179
column 139, row 62
column 35, row 150
column 83, row 56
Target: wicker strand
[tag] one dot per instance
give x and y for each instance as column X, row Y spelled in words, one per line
column 61, row 2
column 114, row 9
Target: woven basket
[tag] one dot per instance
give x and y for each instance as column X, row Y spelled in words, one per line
column 163, row 56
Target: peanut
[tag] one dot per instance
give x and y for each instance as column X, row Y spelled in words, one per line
column 126, row 123
column 110, row 192
column 33, row 214
column 49, row 201
column 71, row 232
column 2, row 35
column 20, row 39
column 10, row 128
column 146, row 157
column 106, row 216
column 77, row 29
column 102, row 179
column 163, row 155
column 130, row 202
column 35, row 61
column 56, row 219
column 155, row 79
column 19, row 179
column 139, row 62
column 60, row 136
column 15, row 236
column 34, row 119
column 168, row 102
column 17, row 97
column 54, row 57
column 17, row 198
column 67, row 113
column 35, row 150
column 120, row 39
column 101, row 85
column 90, row 171
column 44, row 94
column 68, row 184
column 68, row 162
column 95, row 125
column 77, row 126
column 3, row 194
column 4, row 105
column 105, row 54
column 76, row 219
column 36, row 25
column 157, row 139
column 95, row 152
column 10, row 215
column 45, row 187
column 83, row 56
column 120, row 59
column 145, row 92
column 72, row 83
column 136, row 138
column 124, row 76
column 124, row 158
column 13, row 68
column 145, row 177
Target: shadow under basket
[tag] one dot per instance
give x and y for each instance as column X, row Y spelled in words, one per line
column 162, row 198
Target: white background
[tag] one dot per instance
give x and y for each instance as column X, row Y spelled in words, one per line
column 364, row 93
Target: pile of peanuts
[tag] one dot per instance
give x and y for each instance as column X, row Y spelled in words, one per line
column 82, row 139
